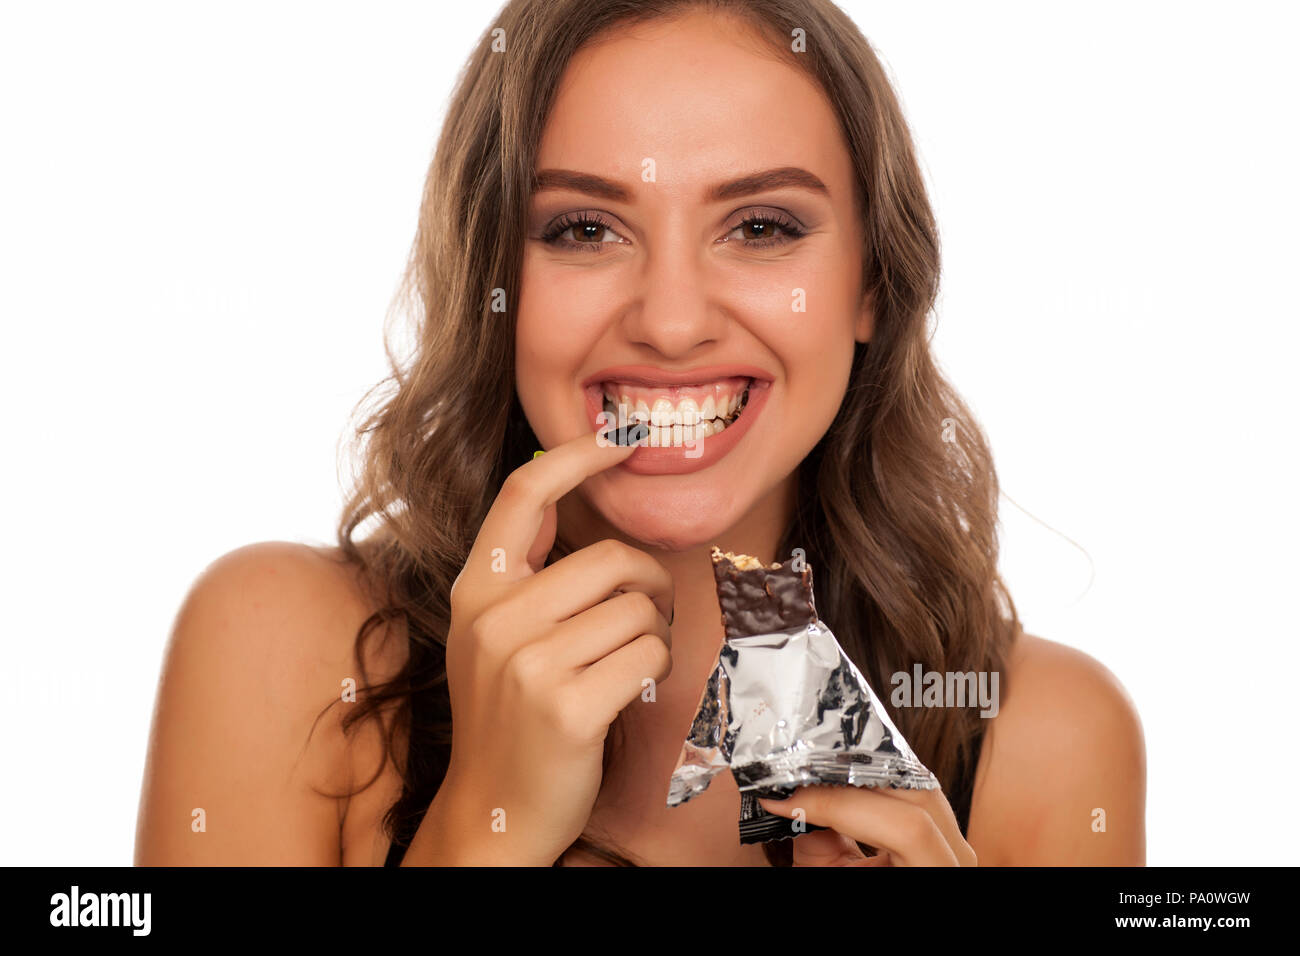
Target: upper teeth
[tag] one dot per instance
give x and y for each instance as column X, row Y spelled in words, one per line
column 661, row 411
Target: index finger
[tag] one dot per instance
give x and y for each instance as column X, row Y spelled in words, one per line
column 515, row 519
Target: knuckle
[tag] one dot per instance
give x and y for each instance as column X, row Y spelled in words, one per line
column 483, row 627
column 526, row 667
column 571, row 717
column 615, row 553
column 641, row 604
column 655, row 657
column 456, row 597
column 514, row 487
column 487, row 632
column 918, row 825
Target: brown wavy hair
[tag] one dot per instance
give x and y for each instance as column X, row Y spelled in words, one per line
column 898, row 523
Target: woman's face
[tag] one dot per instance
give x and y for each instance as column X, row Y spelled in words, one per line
column 662, row 269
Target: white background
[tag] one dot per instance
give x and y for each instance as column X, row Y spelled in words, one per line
column 205, row 210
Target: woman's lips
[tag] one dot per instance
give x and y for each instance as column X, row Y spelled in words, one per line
column 693, row 455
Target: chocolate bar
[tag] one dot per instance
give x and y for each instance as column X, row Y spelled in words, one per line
column 784, row 706
column 758, row 599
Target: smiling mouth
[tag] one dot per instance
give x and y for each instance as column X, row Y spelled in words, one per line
column 677, row 415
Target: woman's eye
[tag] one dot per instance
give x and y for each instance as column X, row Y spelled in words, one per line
column 759, row 231
column 591, row 232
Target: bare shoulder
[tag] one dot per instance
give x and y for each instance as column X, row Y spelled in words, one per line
column 1062, row 775
column 311, row 599
column 246, row 754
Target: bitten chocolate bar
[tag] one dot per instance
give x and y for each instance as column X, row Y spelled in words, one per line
column 757, row 600
column 784, row 706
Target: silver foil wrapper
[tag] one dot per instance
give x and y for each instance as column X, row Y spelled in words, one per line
column 787, row 709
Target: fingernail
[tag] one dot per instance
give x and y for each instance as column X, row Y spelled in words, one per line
column 538, row 452
column 631, row 434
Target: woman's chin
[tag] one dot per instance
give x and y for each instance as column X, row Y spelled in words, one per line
column 670, row 525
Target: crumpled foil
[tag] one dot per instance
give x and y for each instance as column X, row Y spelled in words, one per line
column 788, row 709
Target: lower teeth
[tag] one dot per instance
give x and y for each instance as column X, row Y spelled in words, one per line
column 662, row 436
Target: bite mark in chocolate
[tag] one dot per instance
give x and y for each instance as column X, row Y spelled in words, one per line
column 762, row 599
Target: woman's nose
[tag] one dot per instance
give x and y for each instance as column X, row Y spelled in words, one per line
column 675, row 312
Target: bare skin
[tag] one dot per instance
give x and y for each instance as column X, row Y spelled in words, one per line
column 266, row 635
column 232, row 742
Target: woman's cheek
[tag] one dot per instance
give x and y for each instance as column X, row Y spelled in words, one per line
column 814, row 350
column 551, row 343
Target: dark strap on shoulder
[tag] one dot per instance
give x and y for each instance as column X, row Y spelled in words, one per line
column 395, row 853
column 963, row 784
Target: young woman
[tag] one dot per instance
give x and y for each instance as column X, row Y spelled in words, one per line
column 711, row 212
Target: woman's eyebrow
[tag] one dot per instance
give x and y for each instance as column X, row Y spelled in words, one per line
column 777, row 178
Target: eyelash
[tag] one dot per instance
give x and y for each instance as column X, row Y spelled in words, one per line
column 568, row 221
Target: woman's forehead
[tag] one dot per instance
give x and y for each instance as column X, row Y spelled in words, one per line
column 701, row 106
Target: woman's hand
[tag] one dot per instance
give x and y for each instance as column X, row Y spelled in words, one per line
column 540, row 661
column 909, row 827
